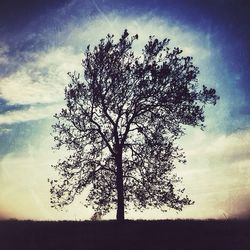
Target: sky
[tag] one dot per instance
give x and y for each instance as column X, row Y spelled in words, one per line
column 42, row 40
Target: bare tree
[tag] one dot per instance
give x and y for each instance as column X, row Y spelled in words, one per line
column 120, row 125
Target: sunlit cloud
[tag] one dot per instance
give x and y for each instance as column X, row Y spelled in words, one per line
column 30, row 114
column 41, row 80
column 219, row 187
column 91, row 32
column 24, row 181
column 218, row 167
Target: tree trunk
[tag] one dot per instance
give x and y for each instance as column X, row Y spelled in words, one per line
column 119, row 186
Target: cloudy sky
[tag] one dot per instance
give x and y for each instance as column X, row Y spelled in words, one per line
column 42, row 40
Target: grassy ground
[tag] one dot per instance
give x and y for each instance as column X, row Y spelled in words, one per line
column 131, row 235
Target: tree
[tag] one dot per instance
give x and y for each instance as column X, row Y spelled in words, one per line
column 120, row 125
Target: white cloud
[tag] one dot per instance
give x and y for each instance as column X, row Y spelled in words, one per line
column 145, row 25
column 24, row 190
column 30, row 114
column 217, row 175
column 40, row 81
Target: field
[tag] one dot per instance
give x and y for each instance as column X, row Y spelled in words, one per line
column 130, row 235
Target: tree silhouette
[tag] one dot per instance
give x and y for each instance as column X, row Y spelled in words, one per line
column 120, row 125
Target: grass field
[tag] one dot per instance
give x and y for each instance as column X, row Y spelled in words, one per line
column 131, row 235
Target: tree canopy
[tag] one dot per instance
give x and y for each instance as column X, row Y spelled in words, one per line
column 120, row 125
